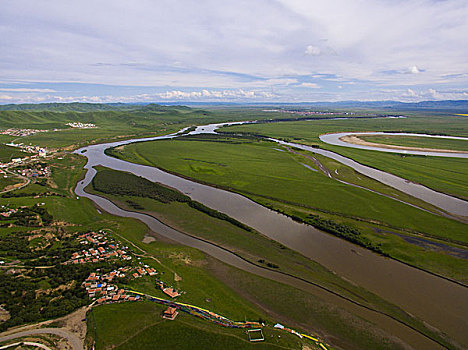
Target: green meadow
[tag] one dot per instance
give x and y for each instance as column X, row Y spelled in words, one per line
column 257, row 169
column 110, row 124
column 279, row 179
column 140, row 326
column 195, row 276
column 442, row 174
column 248, row 244
column 7, row 153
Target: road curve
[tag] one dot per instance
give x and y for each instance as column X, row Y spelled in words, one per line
column 74, row 341
column 37, row 345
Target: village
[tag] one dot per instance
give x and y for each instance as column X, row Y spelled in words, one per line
column 81, row 125
column 21, row 132
column 27, row 167
column 24, row 132
column 34, row 171
column 6, row 211
column 100, row 247
column 37, row 150
column 306, row 113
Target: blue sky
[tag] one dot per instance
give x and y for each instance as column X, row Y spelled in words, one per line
column 239, row 51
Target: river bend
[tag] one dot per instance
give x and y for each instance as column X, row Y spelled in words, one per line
column 439, row 302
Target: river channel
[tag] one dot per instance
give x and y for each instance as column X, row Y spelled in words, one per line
column 336, row 139
column 440, row 303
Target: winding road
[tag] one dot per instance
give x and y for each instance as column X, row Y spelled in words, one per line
column 74, row 341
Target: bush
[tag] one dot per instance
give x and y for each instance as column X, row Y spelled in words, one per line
column 125, row 184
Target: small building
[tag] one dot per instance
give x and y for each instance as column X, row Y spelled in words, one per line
column 171, row 292
column 170, row 314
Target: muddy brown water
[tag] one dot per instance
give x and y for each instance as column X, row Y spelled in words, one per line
column 438, row 302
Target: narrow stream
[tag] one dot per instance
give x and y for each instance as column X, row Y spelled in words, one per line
column 439, row 302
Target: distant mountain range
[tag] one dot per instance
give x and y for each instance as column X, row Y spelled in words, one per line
column 447, row 105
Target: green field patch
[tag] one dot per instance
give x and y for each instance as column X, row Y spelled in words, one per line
column 119, row 183
column 204, row 169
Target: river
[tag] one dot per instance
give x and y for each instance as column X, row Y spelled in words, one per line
column 440, row 303
column 335, row 139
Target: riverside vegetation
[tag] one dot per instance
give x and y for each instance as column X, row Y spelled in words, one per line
column 441, row 174
column 251, row 246
column 209, row 283
column 280, row 181
column 124, row 184
column 35, row 286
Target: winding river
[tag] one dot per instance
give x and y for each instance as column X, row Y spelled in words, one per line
column 336, row 139
column 440, row 303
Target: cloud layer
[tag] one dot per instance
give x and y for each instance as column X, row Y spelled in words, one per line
column 285, row 50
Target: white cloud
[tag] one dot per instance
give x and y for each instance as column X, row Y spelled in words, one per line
column 213, row 94
column 278, row 81
column 313, row 50
column 311, row 85
column 25, row 90
column 169, row 95
column 215, row 46
column 432, row 94
column 411, row 92
column 6, row 98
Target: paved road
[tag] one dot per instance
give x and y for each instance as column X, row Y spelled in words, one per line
column 74, row 341
column 37, row 345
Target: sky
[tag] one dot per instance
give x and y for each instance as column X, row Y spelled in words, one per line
column 233, row 50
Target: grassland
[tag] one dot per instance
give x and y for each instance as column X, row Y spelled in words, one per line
column 114, row 123
column 192, row 268
column 7, row 153
column 208, row 283
column 79, row 215
column 247, row 243
column 5, row 182
column 420, row 142
column 140, row 326
column 258, row 168
column 245, row 166
column 250, row 245
column 442, row 174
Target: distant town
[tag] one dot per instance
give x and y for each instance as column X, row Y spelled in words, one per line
column 22, row 132
column 81, row 125
column 302, row 112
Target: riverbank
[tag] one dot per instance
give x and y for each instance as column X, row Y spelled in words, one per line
column 356, row 139
column 171, row 181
